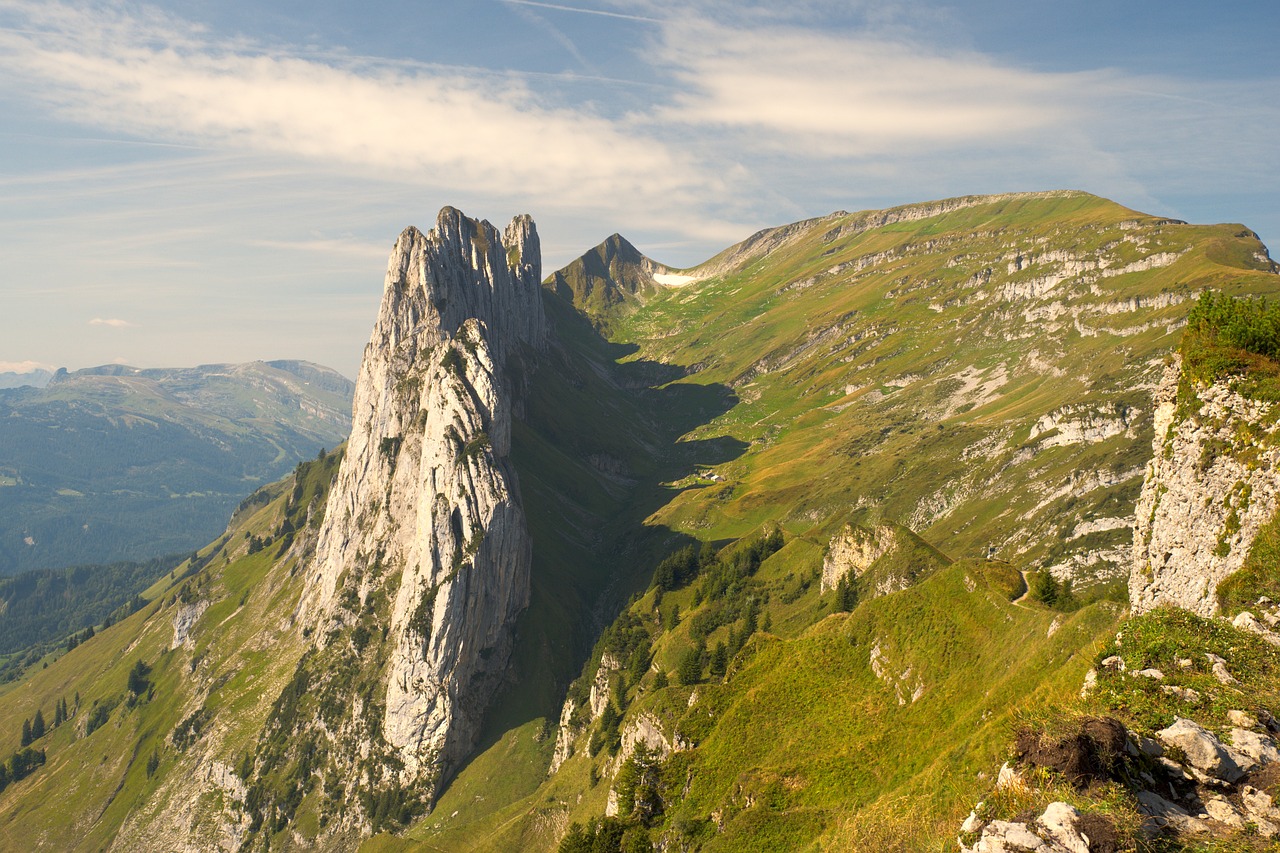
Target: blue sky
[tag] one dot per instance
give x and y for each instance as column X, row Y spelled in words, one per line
column 186, row 182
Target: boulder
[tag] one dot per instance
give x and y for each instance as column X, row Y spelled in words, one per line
column 1204, row 752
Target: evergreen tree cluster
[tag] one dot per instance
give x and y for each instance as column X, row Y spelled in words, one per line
column 1244, row 323
column 20, row 765
column 1052, row 592
column 46, row 608
column 846, row 595
column 606, row 835
column 1230, row 336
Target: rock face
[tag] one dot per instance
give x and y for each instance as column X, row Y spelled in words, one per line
column 1211, row 485
column 853, row 550
column 425, row 511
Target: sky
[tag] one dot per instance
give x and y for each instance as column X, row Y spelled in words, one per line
column 188, row 182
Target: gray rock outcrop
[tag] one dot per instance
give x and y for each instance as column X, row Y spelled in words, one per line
column 1212, row 483
column 425, row 509
column 853, row 550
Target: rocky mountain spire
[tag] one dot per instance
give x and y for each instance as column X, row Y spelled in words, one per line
column 425, row 515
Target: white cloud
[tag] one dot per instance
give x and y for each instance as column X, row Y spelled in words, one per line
column 856, row 94
column 337, row 247
column 153, row 76
column 23, row 366
column 113, row 322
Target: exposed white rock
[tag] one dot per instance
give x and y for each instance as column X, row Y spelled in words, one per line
column 184, row 619
column 1008, row 777
column 1224, row 813
column 1057, row 833
column 853, row 550
column 1209, row 488
column 1261, row 809
column 645, row 729
column 565, row 735
column 1059, row 822
column 1205, row 752
column 1242, row 719
column 1090, row 683
column 425, row 502
column 1114, row 662
column 1082, row 425
column 599, row 697
column 1220, row 671
column 1246, row 621
column 1186, row 694
column 1258, row 747
column 1100, row 525
column 1167, row 814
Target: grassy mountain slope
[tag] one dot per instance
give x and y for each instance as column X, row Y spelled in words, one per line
column 116, row 463
column 135, row 763
column 814, row 737
column 978, row 369
column 900, row 366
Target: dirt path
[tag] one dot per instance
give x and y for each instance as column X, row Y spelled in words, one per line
column 1026, row 583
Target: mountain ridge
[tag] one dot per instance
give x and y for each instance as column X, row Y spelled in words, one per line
column 88, row 461
column 974, row 385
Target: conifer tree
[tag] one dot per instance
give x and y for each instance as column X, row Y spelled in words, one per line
column 26, row 732
column 720, row 659
column 37, row 725
column 690, row 669
column 846, row 596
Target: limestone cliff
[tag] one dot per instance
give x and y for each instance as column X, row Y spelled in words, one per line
column 424, row 519
column 853, row 550
column 1211, row 484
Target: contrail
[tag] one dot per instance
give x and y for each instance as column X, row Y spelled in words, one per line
column 560, row 8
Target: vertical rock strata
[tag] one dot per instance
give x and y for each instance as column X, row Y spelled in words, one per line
column 1211, row 484
column 425, row 514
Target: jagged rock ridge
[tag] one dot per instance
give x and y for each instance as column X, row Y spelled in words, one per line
column 426, row 509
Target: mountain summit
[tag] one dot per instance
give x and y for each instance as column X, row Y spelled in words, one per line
column 611, row 280
column 424, row 536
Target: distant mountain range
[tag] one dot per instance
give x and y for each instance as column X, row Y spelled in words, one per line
column 119, row 463
column 37, row 378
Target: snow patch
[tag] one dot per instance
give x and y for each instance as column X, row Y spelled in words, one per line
column 673, row 280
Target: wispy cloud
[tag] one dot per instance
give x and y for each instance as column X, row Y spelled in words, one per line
column 146, row 74
column 854, row 94
column 113, row 322
column 23, row 366
column 339, row 247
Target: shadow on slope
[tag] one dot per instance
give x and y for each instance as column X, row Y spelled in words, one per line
column 599, row 438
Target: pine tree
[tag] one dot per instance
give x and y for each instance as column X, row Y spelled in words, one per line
column 37, row 725
column 753, row 620
column 1045, row 588
column 720, row 659
column 690, row 669
column 26, row 732
column 846, row 596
